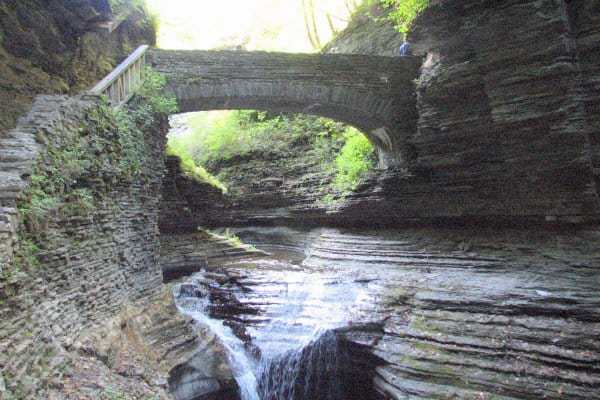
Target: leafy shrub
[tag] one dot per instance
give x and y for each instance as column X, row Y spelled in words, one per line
column 152, row 93
column 241, row 133
column 343, row 153
column 354, row 161
column 403, row 12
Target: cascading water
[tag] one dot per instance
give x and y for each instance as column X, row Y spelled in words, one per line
column 308, row 373
column 297, row 357
column 192, row 299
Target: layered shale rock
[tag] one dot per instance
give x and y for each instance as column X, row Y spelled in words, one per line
column 276, row 188
column 147, row 351
column 182, row 254
column 503, row 127
column 508, row 316
column 89, row 256
column 187, row 203
column 454, row 313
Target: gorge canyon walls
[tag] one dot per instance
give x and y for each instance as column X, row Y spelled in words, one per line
column 507, row 128
column 79, row 265
column 62, row 47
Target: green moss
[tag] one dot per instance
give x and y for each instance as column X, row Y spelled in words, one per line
column 113, row 394
column 420, row 323
column 191, row 170
column 231, row 237
column 79, row 167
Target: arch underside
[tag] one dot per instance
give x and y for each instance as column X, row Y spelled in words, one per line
column 375, row 94
column 362, row 108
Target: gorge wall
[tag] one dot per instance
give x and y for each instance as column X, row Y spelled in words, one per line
column 62, row 47
column 507, row 128
column 505, row 110
column 95, row 248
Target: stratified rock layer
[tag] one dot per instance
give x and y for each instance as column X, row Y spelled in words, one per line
column 507, row 127
column 503, row 126
column 90, row 262
column 147, row 351
column 442, row 314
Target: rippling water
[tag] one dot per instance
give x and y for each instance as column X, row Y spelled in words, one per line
column 296, row 307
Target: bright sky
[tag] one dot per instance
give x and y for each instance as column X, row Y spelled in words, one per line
column 276, row 25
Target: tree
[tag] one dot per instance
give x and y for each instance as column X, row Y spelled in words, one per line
column 310, row 21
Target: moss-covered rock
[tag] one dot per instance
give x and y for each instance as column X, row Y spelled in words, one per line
column 60, row 47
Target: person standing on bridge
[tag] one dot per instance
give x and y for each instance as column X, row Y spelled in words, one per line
column 405, row 49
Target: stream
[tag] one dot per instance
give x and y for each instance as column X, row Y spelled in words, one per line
column 276, row 315
column 341, row 314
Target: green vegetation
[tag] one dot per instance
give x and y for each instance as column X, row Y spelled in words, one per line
column 151, row 93
column 354, row 161
column 191, row 169
column 221, row 139
column 404, row 12
column 242, row 134
column 231, row 237
column 80, row 167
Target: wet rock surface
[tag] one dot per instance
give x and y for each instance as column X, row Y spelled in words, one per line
column 442, row 313
column 183, row 254
column 147, row 351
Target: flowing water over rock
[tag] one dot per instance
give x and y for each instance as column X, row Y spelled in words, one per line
column 275, row 317
column 356, row 315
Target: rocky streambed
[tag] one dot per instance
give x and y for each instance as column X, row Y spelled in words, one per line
column 414, row 314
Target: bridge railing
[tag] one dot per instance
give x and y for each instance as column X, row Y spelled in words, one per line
column 120, row 85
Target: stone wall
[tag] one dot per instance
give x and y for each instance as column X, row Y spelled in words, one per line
column 90, row 263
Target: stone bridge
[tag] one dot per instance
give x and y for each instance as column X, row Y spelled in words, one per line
column 375, row 94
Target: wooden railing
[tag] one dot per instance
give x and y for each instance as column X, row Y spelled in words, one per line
column 120, row 85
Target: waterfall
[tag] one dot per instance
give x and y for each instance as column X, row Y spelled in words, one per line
column 310, row 373
column 192, row 299
column 298, row 355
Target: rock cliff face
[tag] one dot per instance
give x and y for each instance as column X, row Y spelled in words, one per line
column 467, row 314
column 83, row 312
column 147, row 351
column 86, row 263
column 369, row 32
column 49, row 47
column 275, row 189
column 505, row 124
column 507, row 128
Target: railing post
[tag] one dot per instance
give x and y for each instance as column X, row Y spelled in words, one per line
column 120, row 85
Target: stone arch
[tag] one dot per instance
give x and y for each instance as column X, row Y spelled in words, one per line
column 374, row 94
